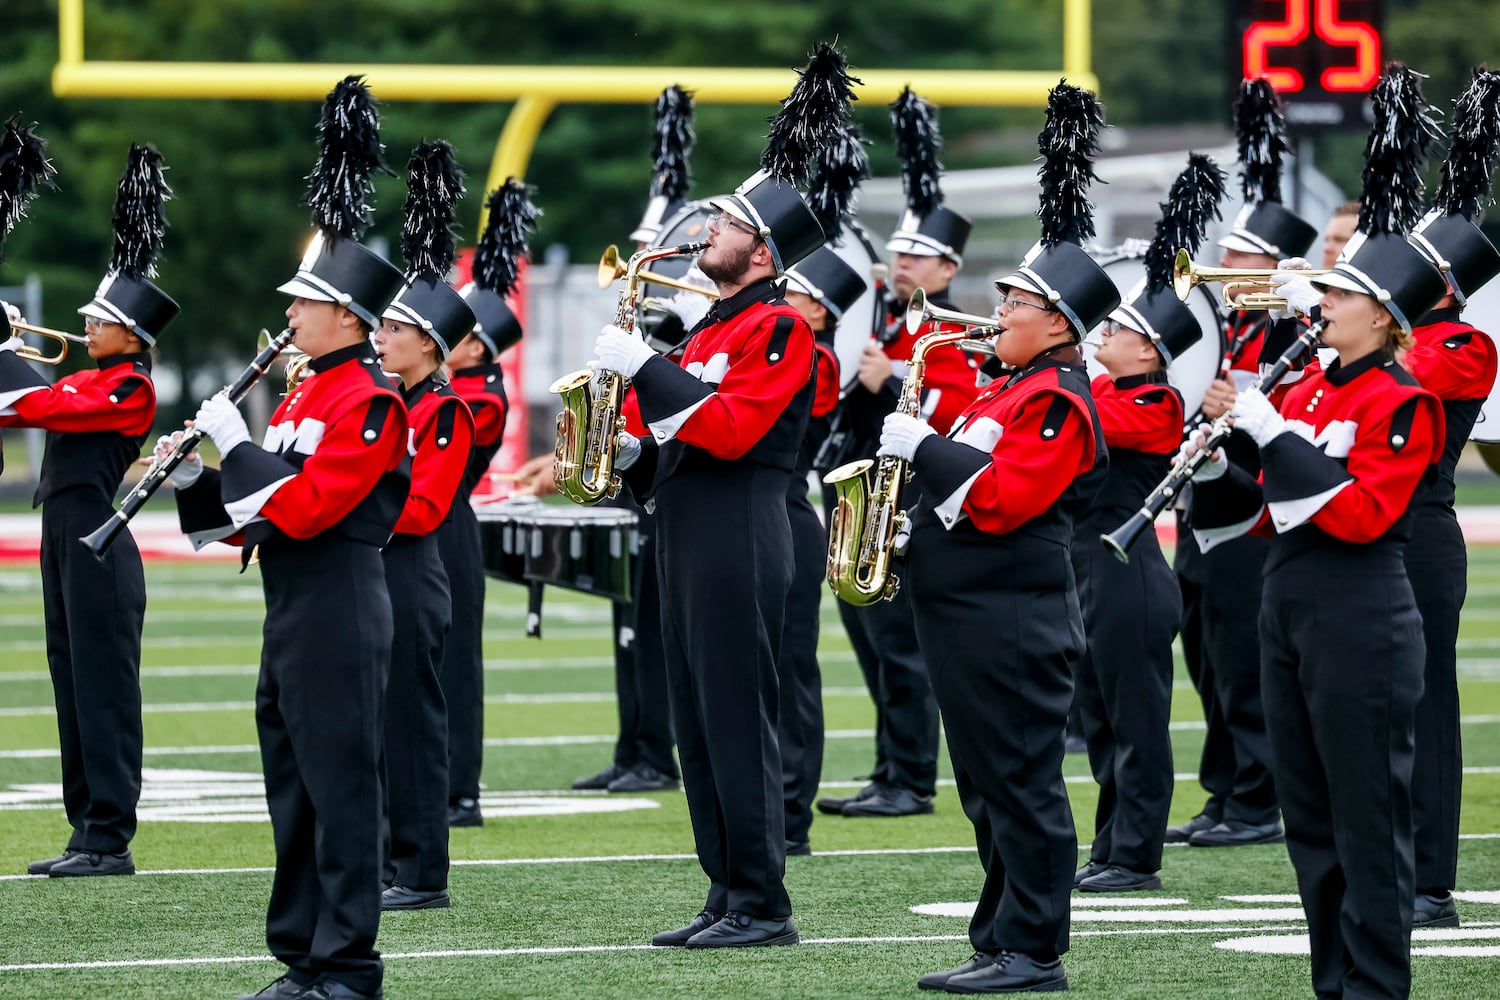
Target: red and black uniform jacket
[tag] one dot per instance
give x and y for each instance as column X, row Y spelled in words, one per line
column 482, row 388
column 96, row 420
column 1141, row 416
column 334, row 462
column 1456, row 363
column 440, row 439
column 826, row 387
column 1025, row 456
column 1360, row 441
column 743, row 391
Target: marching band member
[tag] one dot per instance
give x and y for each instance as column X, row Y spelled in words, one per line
column 317, row 500
column 820, row 287
column 97, row 421
column 992, row 583
column 476, row 376
column 1123, row 682
column 412, row 342
column 1341, row 636
column 928, row 248
column 1221, row 592
column 1457, row 363
column 725, row 430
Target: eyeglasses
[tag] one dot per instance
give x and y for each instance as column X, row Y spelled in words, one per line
column 1006, row 304
column 722, row 219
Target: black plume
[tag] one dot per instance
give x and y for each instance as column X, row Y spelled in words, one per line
column 24, row 170
column 434, row 183
column 1068, row 143
column 1469, row 169
column 1261, row 131
column 140, row 220
column 1395, row 153
column 1191, row 205
column 840, row 165
column 672, row 144
column 339, row 190
column 512, row 219
column 814, row 112
column 917, row 143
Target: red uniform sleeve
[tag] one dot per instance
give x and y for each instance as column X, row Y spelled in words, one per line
column 827, row 374
column 1460, row 365
column 437, row 468
column 1028, row 472
column 630, row 412
column 340, row 473
column 488, row 417
column 1146, row 418
column 754, row 392
column 1384, row 479
column 126, row 406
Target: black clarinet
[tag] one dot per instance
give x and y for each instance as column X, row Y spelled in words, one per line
column 1122, row 538
column 101, row 538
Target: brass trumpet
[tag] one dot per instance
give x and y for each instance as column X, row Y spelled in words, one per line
column 1254, row 282
column 612, row 269
column 30, row 353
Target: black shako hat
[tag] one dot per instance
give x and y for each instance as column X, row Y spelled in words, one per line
column 1153, row 307
column 434, row 185
column 502, row 247
column 824, row 275
column 942, row 232
column 126, row 295
column 672, row 141
column 1378, row 260
column 335, row 268
column 1464, row 254
column 776, row 211
column 1057, row 267
column 1263, row 225
column 927, row 228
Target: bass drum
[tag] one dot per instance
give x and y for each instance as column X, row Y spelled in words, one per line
column 1197, row 367
column 1483, row 313
column 690, row 224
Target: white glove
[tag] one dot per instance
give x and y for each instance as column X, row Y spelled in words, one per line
column 220, row 419
column 15, row 343
column 1300, row 294
column 1212, row 468
column 618, row 351
column 900, row 435
column 188, row 470
column 627, row 450
column 1254, row 414
column 11, row 312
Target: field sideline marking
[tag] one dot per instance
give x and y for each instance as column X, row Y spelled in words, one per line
column 584, row 949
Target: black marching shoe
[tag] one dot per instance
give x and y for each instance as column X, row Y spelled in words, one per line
column 92, row 863
column 285, row 988
column 598, row 782
column 835, row 806
column 1182, row 834
column 798, row 848
column 1117, row 878
column 1233, row 833
column 939, row 980
column 679, row 937
column 332, row 989
column 1433, row 910
column 740, row 930
column 1012, row 972
column 399, row 897
column 464, row 812
column 1090, row 869
column 889, row 800
column 643, row 778
column 45, row 865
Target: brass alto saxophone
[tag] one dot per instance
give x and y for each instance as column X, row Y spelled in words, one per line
column 584, row 469
column 863, row 526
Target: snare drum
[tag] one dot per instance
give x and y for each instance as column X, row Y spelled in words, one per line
column 589, row 549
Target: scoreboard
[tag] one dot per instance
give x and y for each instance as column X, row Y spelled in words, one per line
column 1322, row 56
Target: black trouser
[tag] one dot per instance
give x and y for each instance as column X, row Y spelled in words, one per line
column 416, row 719
column 801, row 730
column 1123, row 685
column 884, row 640
column 999, row 623
column 1216, row 762
column 318, row 709
column 724, row 563
column 1227, row 607
column 462, row 671
column 94, row 612
column 640, row 671
column 1437, row 564
column 1341, row 642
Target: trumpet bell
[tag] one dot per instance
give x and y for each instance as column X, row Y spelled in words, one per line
column 1242, row 287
